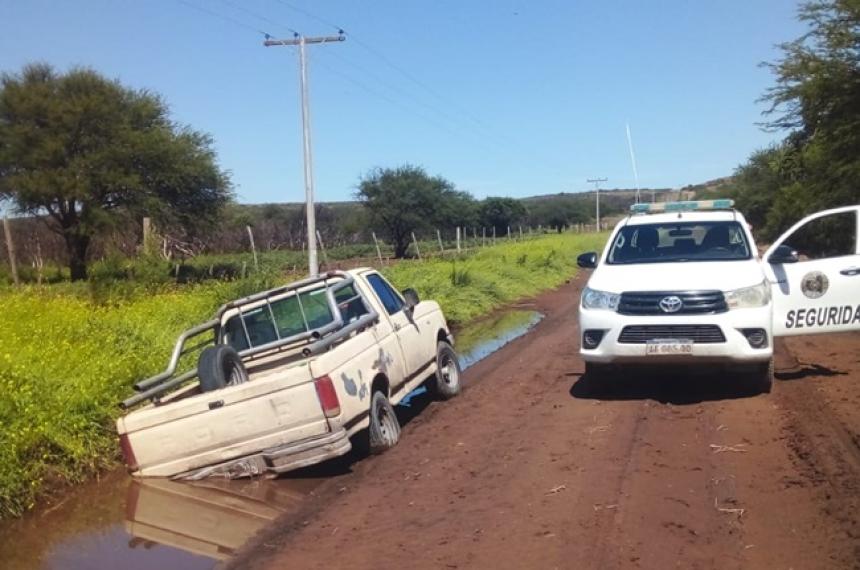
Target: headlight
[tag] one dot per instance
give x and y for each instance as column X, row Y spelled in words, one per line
column 594, row 299
column 755, row 296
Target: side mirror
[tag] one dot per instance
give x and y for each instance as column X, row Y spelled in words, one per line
column 587, row 260
column 411, row 298
column 783, row 254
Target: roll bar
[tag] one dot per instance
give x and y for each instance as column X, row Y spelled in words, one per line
column 324, row 336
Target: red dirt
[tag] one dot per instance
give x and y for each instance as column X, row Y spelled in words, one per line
column 533, row 466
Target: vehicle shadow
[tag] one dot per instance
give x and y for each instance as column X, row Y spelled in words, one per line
column 673, row 387
column 806, row 370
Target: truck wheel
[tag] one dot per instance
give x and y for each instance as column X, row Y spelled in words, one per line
column 446, row 383
column 220, row 366
column 763, row 377
column 595, row 371
column 384, row 430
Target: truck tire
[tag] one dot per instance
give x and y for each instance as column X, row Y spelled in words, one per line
column 446, row 383
column 763, row 377
column 595, row 371
column 384, row 430
column 220, row 366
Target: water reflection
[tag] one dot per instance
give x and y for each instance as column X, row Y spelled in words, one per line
column 208, row 518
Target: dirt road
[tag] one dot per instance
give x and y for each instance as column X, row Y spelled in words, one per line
column 535, row 467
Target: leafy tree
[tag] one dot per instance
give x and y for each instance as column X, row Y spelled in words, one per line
column 817, row 98
column 501, row 213
column 86, row 154
column 406, row 199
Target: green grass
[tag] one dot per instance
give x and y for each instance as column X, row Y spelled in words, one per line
column 69, row 352
column 476, row 284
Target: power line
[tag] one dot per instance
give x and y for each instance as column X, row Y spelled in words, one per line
column 408, row 75
column 258, row 16
column 311, row 16
column 223, row 17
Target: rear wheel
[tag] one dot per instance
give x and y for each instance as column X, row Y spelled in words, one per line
column 384, row 430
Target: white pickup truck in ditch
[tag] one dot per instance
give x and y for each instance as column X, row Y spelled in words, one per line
column 287, row 377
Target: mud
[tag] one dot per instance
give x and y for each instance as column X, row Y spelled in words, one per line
column 535, row 466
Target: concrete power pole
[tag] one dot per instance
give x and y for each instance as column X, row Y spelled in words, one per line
column 301, row 41
column 596, row 182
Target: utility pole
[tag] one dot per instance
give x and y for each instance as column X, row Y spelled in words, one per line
column 301, row 41
column 596, row 182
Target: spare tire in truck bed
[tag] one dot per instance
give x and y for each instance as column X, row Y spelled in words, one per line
column 220, row 366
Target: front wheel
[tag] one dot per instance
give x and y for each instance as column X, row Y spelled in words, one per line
column 446, row 383
column 384, row 430
column 763, row 377
column 596, row 371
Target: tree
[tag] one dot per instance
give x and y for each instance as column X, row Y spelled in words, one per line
column 85, row 154
column 817, row 98
column 501, row 213
column 406, row 199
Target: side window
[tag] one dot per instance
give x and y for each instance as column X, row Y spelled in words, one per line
column 390, row 299
column 829, row 236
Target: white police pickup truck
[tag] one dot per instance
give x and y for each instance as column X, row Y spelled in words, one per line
column 683, row 283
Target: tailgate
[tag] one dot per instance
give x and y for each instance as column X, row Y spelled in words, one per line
column 274, row 408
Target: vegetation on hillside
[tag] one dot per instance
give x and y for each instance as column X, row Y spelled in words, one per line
column 816, row 98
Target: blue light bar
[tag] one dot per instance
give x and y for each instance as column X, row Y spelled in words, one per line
column 686, row 206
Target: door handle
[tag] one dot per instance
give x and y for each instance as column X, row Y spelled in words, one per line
column 851, row 271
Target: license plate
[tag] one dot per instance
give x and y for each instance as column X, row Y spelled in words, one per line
column 667, row 347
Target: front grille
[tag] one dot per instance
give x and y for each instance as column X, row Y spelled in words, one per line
column 640, row 334
column 693, row 302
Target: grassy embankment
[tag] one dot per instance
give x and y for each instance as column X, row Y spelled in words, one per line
column 67, row 356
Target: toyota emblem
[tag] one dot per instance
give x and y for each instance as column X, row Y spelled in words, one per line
column 671, row 304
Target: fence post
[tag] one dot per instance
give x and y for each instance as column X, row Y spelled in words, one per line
column 415, row 241
column 521, row 233
column 253, row 247
column 483, row 237
column 494, row 235
column 147, row 235
column 376, row 243
column 10, row 248
column 509, row 232
column 458, row 239
column 322, row 248
column 439, row 237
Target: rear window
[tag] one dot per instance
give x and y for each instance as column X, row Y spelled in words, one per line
column 290, row 316
column 679, row 241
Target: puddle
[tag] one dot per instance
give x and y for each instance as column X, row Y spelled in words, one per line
column 117, row 522
column 480, row 339
column 154, row 523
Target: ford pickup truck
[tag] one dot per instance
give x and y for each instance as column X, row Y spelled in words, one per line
column 287, row 378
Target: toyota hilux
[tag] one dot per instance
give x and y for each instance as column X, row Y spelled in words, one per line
column 683, row 283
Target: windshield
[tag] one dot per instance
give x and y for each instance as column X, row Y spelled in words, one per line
column 679, row 241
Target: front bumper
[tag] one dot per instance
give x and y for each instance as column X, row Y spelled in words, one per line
column 735, row 349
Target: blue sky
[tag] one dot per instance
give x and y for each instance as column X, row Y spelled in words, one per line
column 509, row 97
